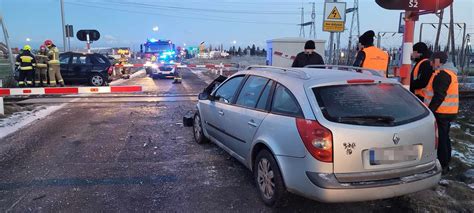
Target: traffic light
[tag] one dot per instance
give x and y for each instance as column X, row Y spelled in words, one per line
column 94, row 35
column 414, row 5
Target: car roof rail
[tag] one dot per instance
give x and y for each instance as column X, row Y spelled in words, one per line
column 348, row 68
column 299, row 73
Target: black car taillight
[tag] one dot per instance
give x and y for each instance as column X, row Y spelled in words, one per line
column 110, row 70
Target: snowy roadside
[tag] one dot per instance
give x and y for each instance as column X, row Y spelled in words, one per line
column 18, row 120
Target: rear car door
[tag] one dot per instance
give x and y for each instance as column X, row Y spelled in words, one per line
column 100, row 64
column 375, row 127
column 212, row 112
column 81, row 67
column 243, row 118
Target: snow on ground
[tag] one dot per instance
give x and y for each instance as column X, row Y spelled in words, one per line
column 19, row 120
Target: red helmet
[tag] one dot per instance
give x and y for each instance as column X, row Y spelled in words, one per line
column 42, row 47
column 48, row 42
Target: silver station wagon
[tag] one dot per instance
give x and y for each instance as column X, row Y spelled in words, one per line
column 324, row 133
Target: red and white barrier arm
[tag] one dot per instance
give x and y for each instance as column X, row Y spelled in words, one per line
column 68, row 90
column 178, row 65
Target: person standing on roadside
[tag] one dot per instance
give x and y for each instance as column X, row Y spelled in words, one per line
column 422, row 70
column 41, row 67
column 371, row 57
column 308, row 56
column 25, row 63
column 54, row 70
column 441, row 95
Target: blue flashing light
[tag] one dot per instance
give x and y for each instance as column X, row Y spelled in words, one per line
column 152, row 40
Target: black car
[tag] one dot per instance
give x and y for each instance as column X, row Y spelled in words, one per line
column 92, row 68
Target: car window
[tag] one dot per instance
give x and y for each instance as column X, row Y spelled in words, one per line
column 284, row 103
column 226, row 92
column 369, row 104
column 81, row 59
column 100, row 60
column 64, row 59
column 262, row 102
column 251, row 91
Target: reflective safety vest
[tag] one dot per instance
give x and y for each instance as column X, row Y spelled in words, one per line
column 26, row 61
column 450, row 103
column 53, row 55
column 416, row 71
column 375, row 59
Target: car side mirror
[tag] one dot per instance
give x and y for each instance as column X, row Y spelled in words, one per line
column 214, row 97
column 203, row 96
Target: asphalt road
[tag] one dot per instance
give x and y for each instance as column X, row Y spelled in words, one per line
column 136, row 157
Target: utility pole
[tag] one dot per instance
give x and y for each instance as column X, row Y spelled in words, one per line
column 354, row 26
column 302, row 34
column 451, row 34
column 438, row 32
column 7, row 43
column 63, row 25
column 312, row 30
column 331, row 41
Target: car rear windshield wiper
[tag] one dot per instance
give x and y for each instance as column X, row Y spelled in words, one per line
column 367, row 118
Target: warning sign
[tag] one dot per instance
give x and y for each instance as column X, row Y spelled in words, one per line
column 334, row 16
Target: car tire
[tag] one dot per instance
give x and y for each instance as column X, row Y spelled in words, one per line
column 268, row 179
column 198, row 132
column 97, row 80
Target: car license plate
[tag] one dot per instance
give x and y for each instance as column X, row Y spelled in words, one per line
column 166, row 73
column 392, row 155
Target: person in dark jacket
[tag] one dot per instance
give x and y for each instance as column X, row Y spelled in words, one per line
column 25, row 63
column 369, row 56
column 422, row 71
column 441, row 95
column 308, row 57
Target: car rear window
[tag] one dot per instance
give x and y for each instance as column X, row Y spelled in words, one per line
column 369, row 104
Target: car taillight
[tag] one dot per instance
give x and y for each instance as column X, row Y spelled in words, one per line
column 436, row 135
column 316, row 138
column 110, row 70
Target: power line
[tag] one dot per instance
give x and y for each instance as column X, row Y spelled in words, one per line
column 180, row 16
column 193, row 9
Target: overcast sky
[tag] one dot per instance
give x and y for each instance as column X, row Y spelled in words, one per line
column 130, row 22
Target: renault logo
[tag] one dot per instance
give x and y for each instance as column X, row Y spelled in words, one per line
column 396, row 138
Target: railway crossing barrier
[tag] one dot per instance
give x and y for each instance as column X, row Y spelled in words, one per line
column 63, row 91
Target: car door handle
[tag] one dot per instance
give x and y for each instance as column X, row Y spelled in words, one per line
column 252, row 123
column 221, row 112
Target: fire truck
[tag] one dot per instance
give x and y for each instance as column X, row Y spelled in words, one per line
column 163, row 50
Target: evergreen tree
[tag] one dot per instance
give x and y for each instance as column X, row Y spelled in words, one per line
column 252, row 50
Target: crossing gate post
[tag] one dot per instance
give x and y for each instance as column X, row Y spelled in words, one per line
column 2, row 110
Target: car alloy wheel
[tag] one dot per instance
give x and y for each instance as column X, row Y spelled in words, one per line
column 197, row 127
column 268, row 179
column 97, row 80
column 265, row 178
column 199, row 136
